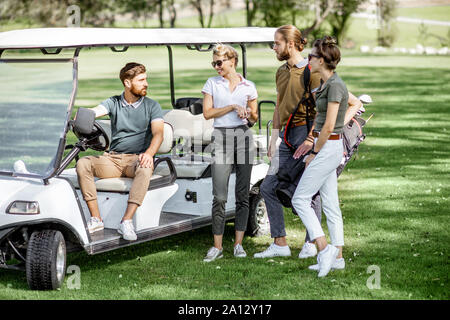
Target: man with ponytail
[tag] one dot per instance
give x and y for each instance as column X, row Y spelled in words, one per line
column 288, row 45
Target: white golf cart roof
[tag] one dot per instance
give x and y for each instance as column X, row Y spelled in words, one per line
column 88, row 37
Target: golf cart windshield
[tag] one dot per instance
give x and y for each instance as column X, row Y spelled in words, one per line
column 34, row 104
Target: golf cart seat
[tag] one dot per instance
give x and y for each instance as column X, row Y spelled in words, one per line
column 193, row 105
column 193, row 129
column 123, row 184
column 196, row 131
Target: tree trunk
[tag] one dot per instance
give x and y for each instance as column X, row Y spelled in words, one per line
column 211, row 12
column 161, row 13
column 197, row 4
column 172, row 13
column 251, row 7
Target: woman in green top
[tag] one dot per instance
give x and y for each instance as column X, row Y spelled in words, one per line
column 320, row 172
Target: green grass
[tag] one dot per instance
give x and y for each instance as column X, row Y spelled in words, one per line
column 394, row 197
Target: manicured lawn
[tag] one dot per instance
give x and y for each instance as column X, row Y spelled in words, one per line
column 394, row 197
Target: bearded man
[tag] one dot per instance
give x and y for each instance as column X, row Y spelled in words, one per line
column 137, row 131
column 288, row 45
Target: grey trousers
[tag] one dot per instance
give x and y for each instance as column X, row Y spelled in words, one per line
column 231, row 148
column 274, row 208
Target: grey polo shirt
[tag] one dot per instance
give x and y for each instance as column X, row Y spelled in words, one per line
column 334, row 90
column 131, row 130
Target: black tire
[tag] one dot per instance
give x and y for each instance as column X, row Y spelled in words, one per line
column 258, row 221
column 46, row 260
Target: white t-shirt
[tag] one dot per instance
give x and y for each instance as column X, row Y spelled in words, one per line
column 218, row 88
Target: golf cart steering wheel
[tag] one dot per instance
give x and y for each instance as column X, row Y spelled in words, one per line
column 97, row 140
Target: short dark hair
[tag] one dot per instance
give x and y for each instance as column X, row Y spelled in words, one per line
column 131, row 70
column 327, row 48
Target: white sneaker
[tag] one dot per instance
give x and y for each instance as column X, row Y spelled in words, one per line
column 95, row 224
column 339, row 264
column 274, row 251
column 213, row 254
column 309, row 250
column 239, row 251
column 326, row 258
column 126, row 229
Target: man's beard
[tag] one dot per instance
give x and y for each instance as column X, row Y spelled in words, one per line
column 138, row 93
column 284, row 55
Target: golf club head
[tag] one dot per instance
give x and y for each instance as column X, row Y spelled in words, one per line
column 365, row 99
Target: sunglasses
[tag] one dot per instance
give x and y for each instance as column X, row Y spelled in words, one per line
column 313, row 55
column 218, row 63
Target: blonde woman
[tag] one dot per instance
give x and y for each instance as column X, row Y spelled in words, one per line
column 230, row 100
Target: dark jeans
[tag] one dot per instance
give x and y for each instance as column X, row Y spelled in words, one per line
column 231, row 148
column 274, row 208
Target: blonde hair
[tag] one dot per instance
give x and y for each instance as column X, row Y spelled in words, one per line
column 224, row 50
column 291, row 33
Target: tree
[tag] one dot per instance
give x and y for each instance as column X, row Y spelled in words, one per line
column 171, row 7
column 142, row 10
column 322, row 8
column 251, row 8
column 274, row 13
column 340, row 17
column 145, row 9
column 386, row 15
column 199, row 6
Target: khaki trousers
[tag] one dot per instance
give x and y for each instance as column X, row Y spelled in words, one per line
column 113, row 165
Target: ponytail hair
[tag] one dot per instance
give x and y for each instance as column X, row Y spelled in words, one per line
column 291, row 33
column 327, row 48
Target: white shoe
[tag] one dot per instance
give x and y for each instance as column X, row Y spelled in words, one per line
column 239, row 251
column 309, row 250
column 213, row 254
column 95, row 224
column 126, row 229
column 326, row 258
column 274, row 251
column 339, row 264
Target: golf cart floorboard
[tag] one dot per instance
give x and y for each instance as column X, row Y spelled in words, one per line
column 169, row 224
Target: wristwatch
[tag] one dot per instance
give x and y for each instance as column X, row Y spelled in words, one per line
column 313, row 152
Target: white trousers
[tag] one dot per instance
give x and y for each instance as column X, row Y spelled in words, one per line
column 320, row 175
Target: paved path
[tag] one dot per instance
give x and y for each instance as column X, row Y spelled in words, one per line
column 405, row 19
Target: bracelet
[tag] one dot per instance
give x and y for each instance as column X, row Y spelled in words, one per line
column 313, row 152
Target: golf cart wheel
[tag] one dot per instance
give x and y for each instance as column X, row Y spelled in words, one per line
column 258, row 221
column 46, row 260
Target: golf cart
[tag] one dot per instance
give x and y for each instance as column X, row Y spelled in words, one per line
column 42, row 213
